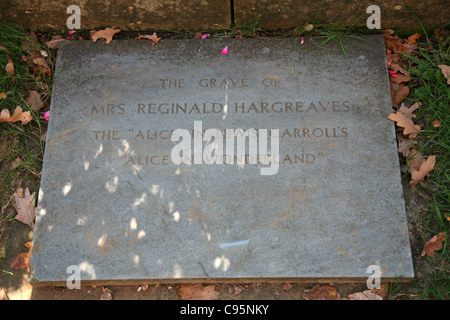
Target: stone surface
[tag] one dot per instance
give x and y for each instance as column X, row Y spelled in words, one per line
column 113, row 204
column 133, row 15
column 295, row 13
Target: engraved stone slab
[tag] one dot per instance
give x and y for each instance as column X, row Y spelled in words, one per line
column 116, row 206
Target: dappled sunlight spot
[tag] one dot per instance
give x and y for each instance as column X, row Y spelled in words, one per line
column 154, row 189
column 177, row 271
column 139, row 201
column 171, row 205
column 133, row 224
column 223, row 262
column 50, row 227
column 66, row 188
column 178, row 171
column 99, row 151
column 176, row 216
column 126, row 148
column 141, row 234
column 112, row 184
column 136, row 259
column 86, row 165
column 81, row 221
column 88, row 268
column 208, row 236
column 102, row 240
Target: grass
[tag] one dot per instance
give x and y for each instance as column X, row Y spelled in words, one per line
column 429, row 88
column 21, row 148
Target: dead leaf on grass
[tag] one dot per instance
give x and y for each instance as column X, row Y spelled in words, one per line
column 410, row 129
column 25, row 206
column 321, row 293
column 405, row 144
column 22, row 261
column 445, row 71
column 197, row 292
column 398, row 93
column 434, row 244
column 10, row 67
column 18, row 115
column 423, row 171
column 34, row 100
column 55, row 41
column 106, row 34
column 2, row 95
column 413, row 38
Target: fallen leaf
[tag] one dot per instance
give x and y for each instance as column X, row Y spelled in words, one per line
column 55, row 41
column 286, row 287
column 309, row 27
column 408, row 112
column 445, row 71
column 2, row 95
column 197, row 292
column 16, row 162
column 365, row 295
column 106, row 34
column 22, row 261
column 10, row 67
column 413, row 38
column 436, row 124
column 106, row 295
column 410, row 129
column 34, row 100
column 25, row 206
column 424, row 170
column 152, row 37
column 433, row 245
column 393, row 43
column 321, row 293
column 44, row 136
column 18, row 115
column 397, row 67
column 398, row 93
column 409, row 48
column 401, row 78
column 388, row 31
column 198, row 35
column 405, row 144
column 238, row 290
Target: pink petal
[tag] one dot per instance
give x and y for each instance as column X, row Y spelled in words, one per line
column 225, row 50
column 71, row 32
column 206, row 35
column 302, row 39
column 47, row 115
column 393, row 74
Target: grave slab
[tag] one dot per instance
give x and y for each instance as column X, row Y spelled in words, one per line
column 116, row 207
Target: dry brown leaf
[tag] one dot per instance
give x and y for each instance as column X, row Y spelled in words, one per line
column 16, row 162
column 433, row 245
column 393, row 43
column 44, row 136
column 197, row 292
column 321, row 293
column 152, row 37
column 365, row 295
column 397, row 67
column 409, row 48
column 18, row 115
column 22, row 261
column 2, row 95
column 424, row 170
column 10, row 67
column 413, row 38
column 410, row 129
column 445, row 71
column 25, row 206
column 405, row 144
column 398, row 93
column 408, row 112
column 55, row 41
column 401, row 78
column 34, row 100
column 107, row 34
column 286, row 287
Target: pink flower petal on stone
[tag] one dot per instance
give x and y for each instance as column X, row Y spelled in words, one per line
column 206, row 35
column 71, row 32
column 47, row 115
column 225, row 50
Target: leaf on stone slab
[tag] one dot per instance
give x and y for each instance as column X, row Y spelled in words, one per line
column 25, row 206
column 434, row 244
column 423, row 171
column 321, row 293
column 445, row 71
column 106, row 34
column 22, row 261
column 410, row 129
column 197, row 292
column 18, row 115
